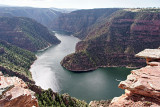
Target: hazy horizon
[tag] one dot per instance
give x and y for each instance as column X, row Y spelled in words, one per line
column 83, row 4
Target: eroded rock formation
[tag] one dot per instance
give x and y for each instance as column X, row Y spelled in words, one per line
column 101, row 103
column 15, row 93
column 142, row 88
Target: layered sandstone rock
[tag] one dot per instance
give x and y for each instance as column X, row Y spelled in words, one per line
column 15, row 93
column 142, row 88
column 114, row 40
column 101, row 103
column 134, row 101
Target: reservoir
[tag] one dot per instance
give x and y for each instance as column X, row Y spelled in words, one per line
column 101, row 84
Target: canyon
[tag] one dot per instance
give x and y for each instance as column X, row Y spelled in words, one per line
column 77, row 22
column 112, row 40
column 79, row 85
column 109, row 38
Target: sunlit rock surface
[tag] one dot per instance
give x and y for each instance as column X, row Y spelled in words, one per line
column 142, row 88
column 101, row 103
column 15, row 93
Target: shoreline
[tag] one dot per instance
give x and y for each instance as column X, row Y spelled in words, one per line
column 95, row 68
column 37, row 57
column 43, row 49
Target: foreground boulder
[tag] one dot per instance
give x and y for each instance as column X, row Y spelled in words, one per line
column 144, row 81
column 134, row 101
column 15, row 93
column 142, row 88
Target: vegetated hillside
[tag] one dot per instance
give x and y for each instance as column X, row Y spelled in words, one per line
column 15, row 61
column 77, row 22
column 115, row 41
column 48, row 98
column 26, row 33
column 42, row 15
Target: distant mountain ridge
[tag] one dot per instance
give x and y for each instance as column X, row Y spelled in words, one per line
column 42, row 15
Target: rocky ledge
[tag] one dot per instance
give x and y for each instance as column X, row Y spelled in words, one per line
column 15, row 93
column 142, row 88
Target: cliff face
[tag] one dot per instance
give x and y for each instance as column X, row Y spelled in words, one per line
column 14, row 92
column 115, row 39
column 77, row 22
column 25, row 33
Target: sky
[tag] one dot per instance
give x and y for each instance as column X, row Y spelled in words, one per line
column 82, row 4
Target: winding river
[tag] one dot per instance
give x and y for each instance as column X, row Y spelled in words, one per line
column 96, row 85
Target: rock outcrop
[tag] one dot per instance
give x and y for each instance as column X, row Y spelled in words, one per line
column 15, row 93
column 142, row 88
column 101, row 103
